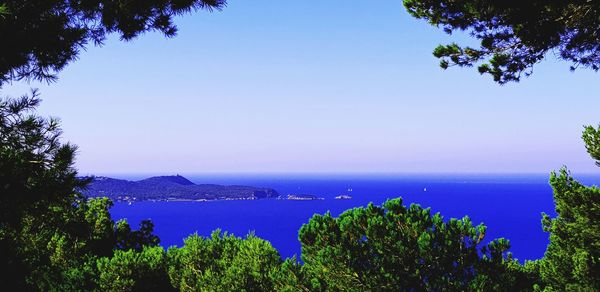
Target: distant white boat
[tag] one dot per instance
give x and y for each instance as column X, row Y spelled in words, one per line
column 349, row 189
column 343, row 197
column 424, row 189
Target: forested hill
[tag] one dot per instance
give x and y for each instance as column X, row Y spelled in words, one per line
column 171, row 188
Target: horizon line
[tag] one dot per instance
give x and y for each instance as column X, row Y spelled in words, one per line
column 201, row 173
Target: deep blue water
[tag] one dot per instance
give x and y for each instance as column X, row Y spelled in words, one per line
column 510, row 206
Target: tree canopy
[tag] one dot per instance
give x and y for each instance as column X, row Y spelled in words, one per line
column 591, row 137
column 40, row 37
column 50, row 235
column 407, row 248
column 223, row 262
column 514, row 35
column 572, row 258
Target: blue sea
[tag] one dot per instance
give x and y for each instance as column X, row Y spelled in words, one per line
column 509, row 205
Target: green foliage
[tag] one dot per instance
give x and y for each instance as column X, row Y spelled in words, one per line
column 391, row 247
column 137, row 239
column 36, row 178
column 132, row 270
column 60, row 248
column 223, row 263
column 572, row 259
column 591, row 138
column 3, row 10
column 49, row 234
column 45, row 35
column 290, row 276
column 35, row 168
column 514, row 35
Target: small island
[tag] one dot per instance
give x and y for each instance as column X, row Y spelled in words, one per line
column 295, row 197
column 343, row 197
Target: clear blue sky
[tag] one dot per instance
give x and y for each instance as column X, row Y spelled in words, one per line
column 298, row 86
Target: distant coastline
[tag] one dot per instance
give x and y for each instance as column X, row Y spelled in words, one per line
column 171, row 188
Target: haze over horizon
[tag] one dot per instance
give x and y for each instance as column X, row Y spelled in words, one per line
column 267, row 87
